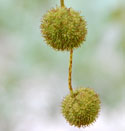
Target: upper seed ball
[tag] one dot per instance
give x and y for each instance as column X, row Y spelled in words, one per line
column 63, row 28
column 82, row 107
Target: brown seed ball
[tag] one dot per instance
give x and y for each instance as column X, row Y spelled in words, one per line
column 82, row 107
column 63, row 28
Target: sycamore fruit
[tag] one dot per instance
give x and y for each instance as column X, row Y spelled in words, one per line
column 63, row 28
column 81, row 108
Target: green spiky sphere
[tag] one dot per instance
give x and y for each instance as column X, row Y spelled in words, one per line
column 82, row 107
column 63, row 28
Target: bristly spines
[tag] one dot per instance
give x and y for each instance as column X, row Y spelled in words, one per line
column 81, row 108
column 63, row 28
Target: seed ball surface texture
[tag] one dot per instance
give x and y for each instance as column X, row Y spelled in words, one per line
column 82, row 107
column 63, row 28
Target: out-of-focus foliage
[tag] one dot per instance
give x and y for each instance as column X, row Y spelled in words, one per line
column 118, row 14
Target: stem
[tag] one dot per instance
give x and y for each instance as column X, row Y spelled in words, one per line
column 62, row 3
column 70, row 72
column 70, row 61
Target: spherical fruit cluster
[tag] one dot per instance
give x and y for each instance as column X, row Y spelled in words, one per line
column 82, row 107
column 63, row 28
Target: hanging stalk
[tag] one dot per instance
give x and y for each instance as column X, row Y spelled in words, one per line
column 62, row 3
column 70, row 61
column 70, row 72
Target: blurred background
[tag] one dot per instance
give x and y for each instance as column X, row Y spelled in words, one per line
column 33, row 76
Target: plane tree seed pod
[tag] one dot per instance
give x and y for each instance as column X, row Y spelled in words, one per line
column 82, row 107
column 63, row 28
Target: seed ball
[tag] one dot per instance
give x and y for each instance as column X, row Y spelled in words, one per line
column 81, row 108
column 63, row 28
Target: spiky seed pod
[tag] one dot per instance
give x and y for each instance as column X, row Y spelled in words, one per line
column 82, row 107
column 63, row 28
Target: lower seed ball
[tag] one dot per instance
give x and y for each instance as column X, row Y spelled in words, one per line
column 82, row 107
column 63, row 28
